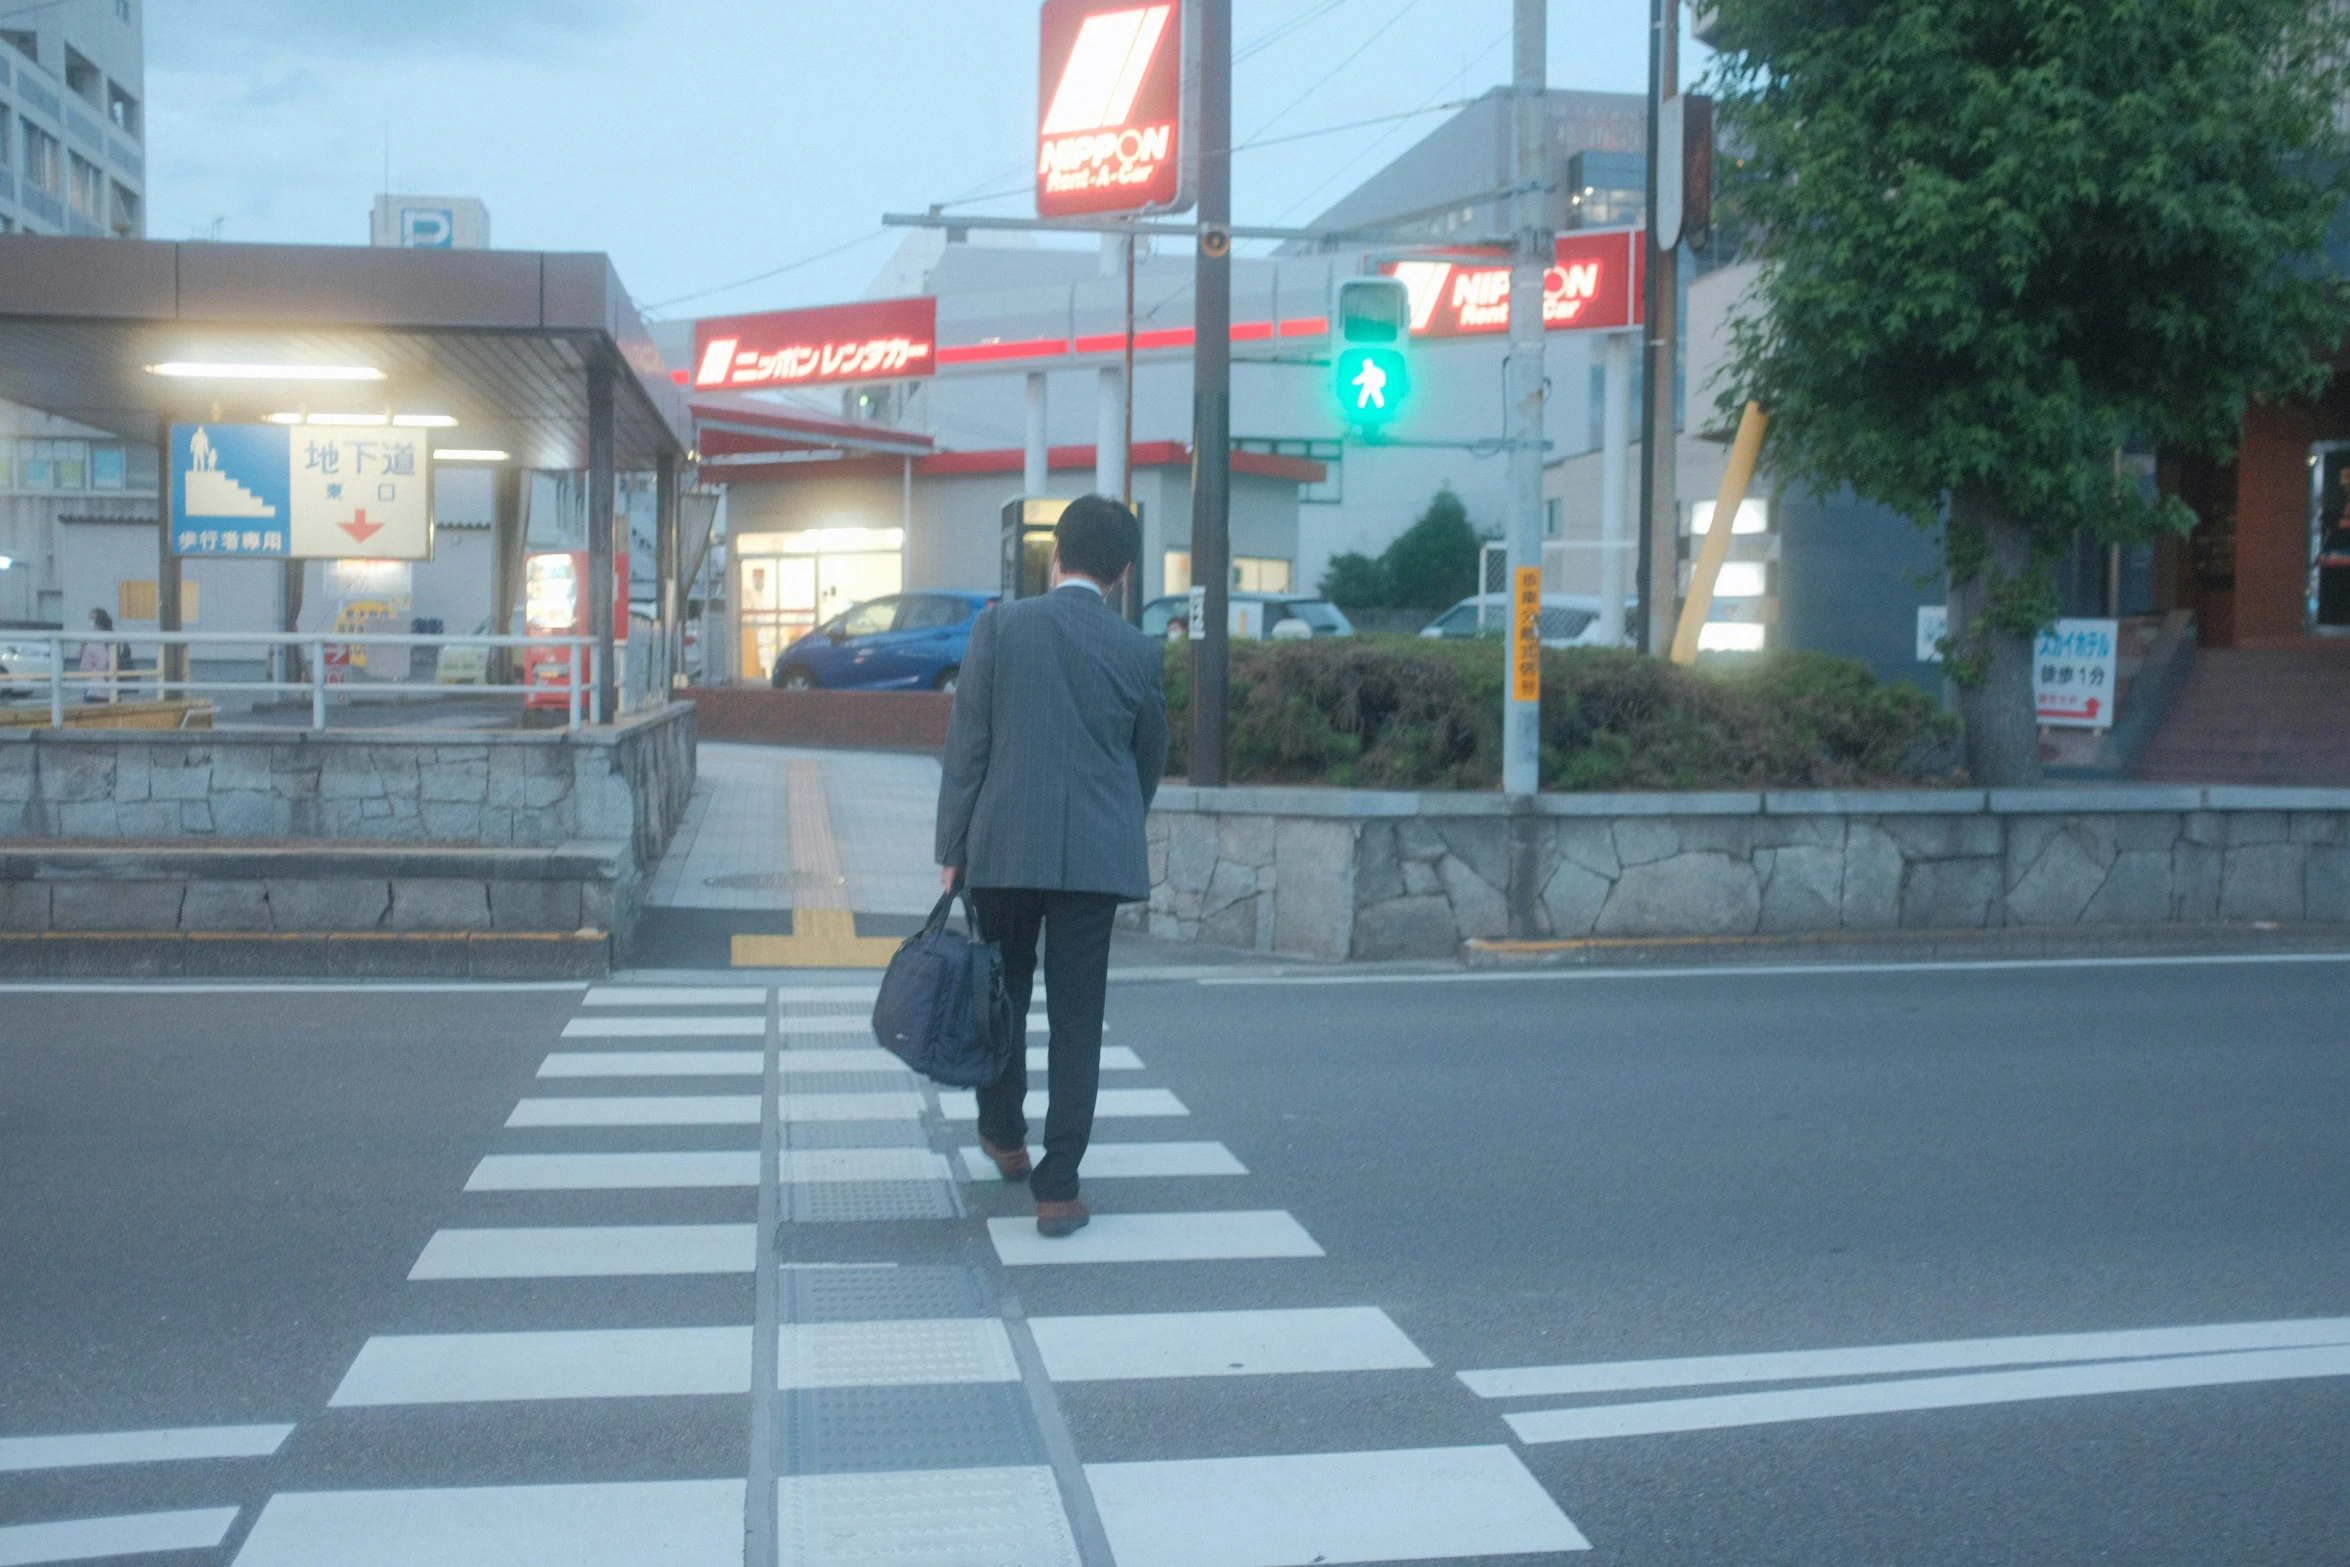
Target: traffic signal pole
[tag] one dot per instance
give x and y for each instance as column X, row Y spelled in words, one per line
column 1211, row 398
column 1533, row 253
column 1659, row 573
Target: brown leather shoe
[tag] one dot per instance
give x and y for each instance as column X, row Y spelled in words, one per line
column 1013, row 1162
column 1057, row 1219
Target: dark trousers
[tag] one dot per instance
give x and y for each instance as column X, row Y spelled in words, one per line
column 1076, row 928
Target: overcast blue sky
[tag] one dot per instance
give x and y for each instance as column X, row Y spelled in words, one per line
column 700, row 142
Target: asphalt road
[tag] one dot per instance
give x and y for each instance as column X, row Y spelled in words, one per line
column 214, row 1203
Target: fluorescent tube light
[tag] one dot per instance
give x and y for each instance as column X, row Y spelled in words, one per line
column 466, row 454
column 200, row 370
column 425, row 421
column 351, row 419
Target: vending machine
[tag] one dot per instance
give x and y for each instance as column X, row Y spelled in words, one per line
column 554, row 604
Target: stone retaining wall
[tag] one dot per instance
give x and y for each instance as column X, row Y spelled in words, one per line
column 1367, row 875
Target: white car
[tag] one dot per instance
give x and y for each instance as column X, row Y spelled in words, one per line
column 24, row 668
column 1568, row 619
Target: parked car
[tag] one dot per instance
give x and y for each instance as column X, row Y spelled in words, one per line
column 1568, row 619
column 1257, row 615
column 24, row 668
column 905, row 642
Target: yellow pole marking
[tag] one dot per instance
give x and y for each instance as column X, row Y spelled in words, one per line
column 824, row 932
column 1735, row 479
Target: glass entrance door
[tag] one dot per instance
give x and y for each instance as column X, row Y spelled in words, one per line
column 2329, row 538
column 788, row 584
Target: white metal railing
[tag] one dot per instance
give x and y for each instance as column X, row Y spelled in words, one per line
column 581, row 685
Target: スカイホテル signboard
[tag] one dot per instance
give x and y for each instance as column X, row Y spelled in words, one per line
column 871, row 340
column 1110, row 116
column 300, row 492
column 1592, row 285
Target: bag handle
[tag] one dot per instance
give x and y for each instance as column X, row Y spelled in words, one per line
column 945, row 906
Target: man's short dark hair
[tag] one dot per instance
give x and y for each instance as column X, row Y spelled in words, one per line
column 1097, row 538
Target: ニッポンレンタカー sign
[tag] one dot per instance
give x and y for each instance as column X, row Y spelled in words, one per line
column 300, row 492
column 871, row 340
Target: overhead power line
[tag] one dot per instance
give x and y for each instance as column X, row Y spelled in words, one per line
column 761, row 277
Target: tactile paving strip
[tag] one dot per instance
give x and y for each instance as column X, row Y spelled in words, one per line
column 893, row 1163
column 916, row 1353
column 818, row 1084
column 863, row 1430
column 876, row 1294
column 868, row 1202
column 905, row 1105
column 855, row 1134
column 933, row 1518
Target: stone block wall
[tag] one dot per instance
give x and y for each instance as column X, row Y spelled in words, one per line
column 1366, row 875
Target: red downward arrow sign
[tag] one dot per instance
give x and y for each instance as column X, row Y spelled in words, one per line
column 360, row 528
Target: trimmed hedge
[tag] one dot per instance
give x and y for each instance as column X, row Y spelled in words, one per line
column 1408, row 713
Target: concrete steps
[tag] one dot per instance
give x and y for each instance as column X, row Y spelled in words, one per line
column 2258, row 716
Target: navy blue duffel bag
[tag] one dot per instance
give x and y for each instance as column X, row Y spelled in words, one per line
column 943, row 1009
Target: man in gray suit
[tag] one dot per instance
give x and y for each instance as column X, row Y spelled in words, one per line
column 1056, row 745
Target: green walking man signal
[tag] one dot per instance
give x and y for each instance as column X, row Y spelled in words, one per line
column 1371, row 322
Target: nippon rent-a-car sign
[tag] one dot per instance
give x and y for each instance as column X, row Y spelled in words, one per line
column 871, row 340
column 1112, row 124
column 1592, row 285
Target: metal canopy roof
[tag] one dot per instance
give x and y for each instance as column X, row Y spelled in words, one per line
column 731, row 425
column 499, row 339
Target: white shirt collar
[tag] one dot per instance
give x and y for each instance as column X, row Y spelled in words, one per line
column 1087, row 583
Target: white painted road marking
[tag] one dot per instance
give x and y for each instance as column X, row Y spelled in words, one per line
column 639, row 1110
column 134, row 1534
column 1647, row 1418
column 1782, row 970
column 18, row 1453
column 1223, row 1344
column 659, row 1027
column 468, row 1368
column 1156, row 1237
column 1113, row 1161
column 1812, row 1365
column 1115, row 1058
column 827, row 1166
column 646, row 1523
column 588, row 1251
column 677, row 996
column 1410, row 1505
column 894, row 1353
column 961, row 1104
column 653, row 1063
column 580, row 1172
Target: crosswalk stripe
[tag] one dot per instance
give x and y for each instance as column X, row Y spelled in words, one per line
column 1120, row 1161
column 862, row 1023
column 653, row 1063
column 1156, row 1237
column 464, row 1368
column 580, row 1172
column 799, row 1107
column 961, row 1104
column 665, row 1027
column 1411, row 1505
column 1223, row 1344
column 1806, row 1365
column 920, row 1353
column 131, row 1534
column 1724, row 1410
column 676, row 996
column 638, row 1523
column 588, row 1251
column 1115, row 1058
column 639, row 1110
column 828, row 1166
column 91, row 1448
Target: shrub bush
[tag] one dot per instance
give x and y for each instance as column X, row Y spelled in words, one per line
column 1407, row 713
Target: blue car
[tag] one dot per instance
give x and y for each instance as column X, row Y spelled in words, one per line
column 906, row 642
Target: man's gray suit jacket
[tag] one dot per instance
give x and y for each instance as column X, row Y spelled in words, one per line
column 1057, row 742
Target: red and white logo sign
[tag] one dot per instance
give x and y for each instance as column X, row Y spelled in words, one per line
column 1592, row 285
column 1109, row 109
column 873, row 340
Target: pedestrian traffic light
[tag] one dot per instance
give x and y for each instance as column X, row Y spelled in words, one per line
column 1371, row 377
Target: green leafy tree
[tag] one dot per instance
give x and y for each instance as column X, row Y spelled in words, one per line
column 2003, row 240
column 1430, row 565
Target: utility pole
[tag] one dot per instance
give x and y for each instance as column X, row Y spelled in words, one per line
column 1534, row 251
column 1659, row 510
column 1211, row 398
